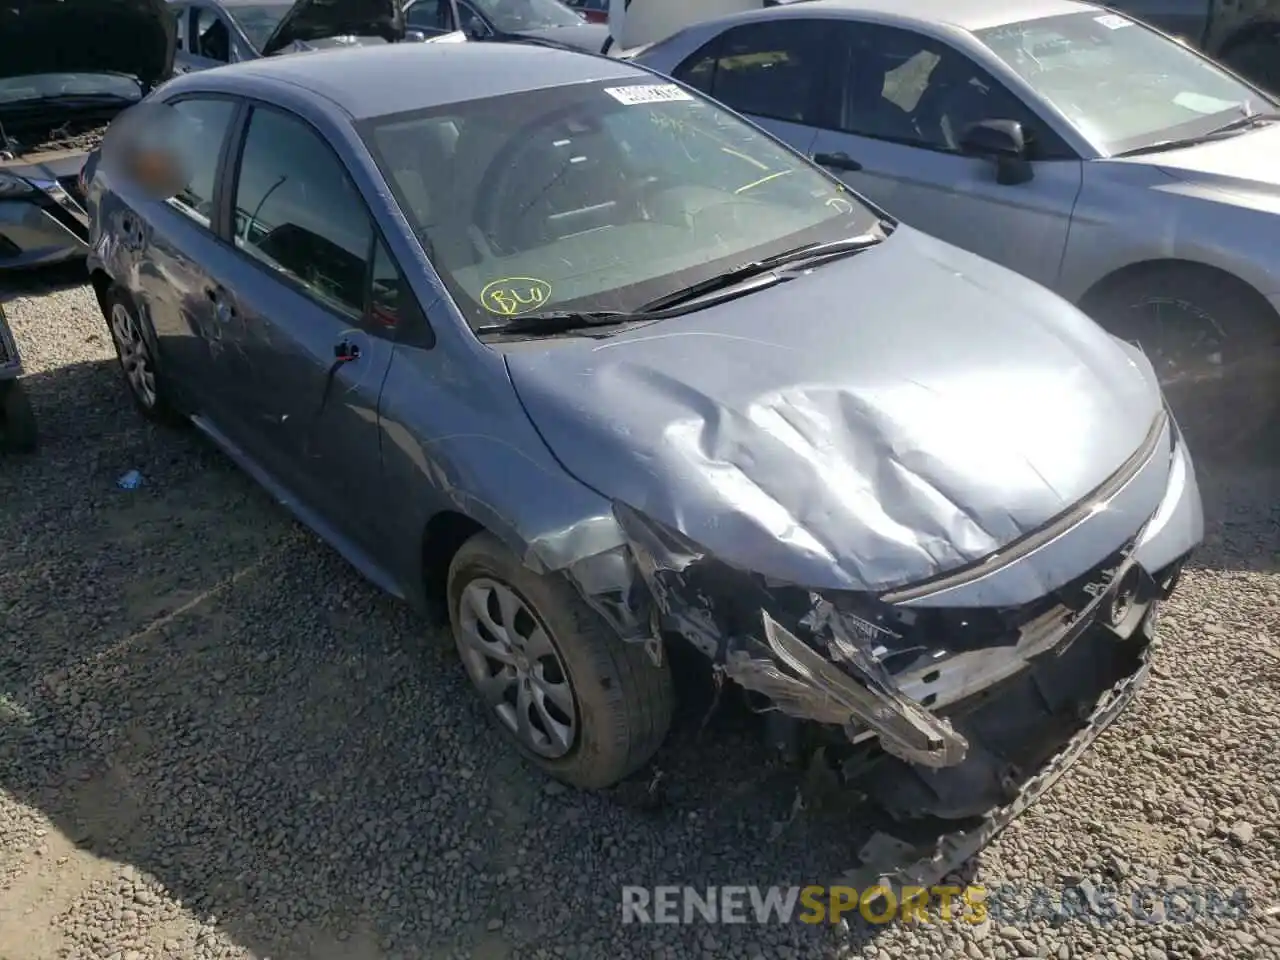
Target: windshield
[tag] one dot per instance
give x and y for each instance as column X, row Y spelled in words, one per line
column 512, row 16
column 599, row 196
column 258, row 21
column 1120, row 84
column 41, row 85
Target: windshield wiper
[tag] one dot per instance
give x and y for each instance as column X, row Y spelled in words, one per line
column 668, row 305
column 558, row 321
column 1235, row 126
column 809, row 254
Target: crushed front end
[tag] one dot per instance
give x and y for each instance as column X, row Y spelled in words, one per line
column 950, row 704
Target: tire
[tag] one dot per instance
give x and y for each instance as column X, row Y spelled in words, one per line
column 621, row 703
column 1257, row 60
column 135, row 344
column 18, row 433
column 1214, row 344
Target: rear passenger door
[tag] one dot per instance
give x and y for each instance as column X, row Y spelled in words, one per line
column 314, row 293
column 777, row 73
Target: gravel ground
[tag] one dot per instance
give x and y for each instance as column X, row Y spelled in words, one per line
column 216, row 741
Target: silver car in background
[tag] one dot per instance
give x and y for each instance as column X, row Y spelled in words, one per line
column 1082, row 149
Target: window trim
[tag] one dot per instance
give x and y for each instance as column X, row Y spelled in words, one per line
column 228, row 138
column 1065, row 152
column 227, row 181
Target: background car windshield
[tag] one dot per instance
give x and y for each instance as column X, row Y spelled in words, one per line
column 1122, row 85
column 598, row 196
column 512, row 16
column 258, row 20
column 16, row 89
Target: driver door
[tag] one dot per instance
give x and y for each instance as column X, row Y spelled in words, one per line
column 904, row 103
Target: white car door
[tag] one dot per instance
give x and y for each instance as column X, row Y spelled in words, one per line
column 896, row 139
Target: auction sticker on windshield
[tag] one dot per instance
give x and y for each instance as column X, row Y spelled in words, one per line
column 1112, row 22
column 647, row 93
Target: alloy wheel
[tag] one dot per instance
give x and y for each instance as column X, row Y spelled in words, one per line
column 513, row 661
column 135, row 355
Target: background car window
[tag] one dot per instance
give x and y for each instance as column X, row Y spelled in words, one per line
column 297, row 211
column 772, row 70
column 258, row 20
column 213, row 39
column 907, row 88
column 430, row 15
column 512, row 16
column 1122, row 85
column 206, row 123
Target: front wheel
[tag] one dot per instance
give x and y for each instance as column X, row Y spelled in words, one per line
column 18, row 432
column 1215, row 347
column 582, row 704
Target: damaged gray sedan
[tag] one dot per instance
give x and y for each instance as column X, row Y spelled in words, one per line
column 599, row 368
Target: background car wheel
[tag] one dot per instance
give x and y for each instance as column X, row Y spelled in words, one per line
column 586, row 707
column 1257, row 60
column 135, row 349
column 17, row 421
column 1214, row 344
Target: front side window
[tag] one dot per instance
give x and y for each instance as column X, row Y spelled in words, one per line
column 258, row 20
column 513, row 16
column 434, row 16
column 1122, row 85
column 597, row 196
column 772, row 70
column 907, row 88
column 213, row 39
column 298, row 212
column 203, row 130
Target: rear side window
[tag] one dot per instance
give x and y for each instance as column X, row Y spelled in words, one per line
column 774, row 70
column 298, row 212
column 206, row 127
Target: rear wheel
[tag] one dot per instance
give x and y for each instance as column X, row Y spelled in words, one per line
column 582, row 704
column 135, row 349
column 18, row 432
column 1214, row 344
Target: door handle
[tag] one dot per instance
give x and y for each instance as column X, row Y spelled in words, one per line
column 837, row 161
column 223, row 310
column 345, row 351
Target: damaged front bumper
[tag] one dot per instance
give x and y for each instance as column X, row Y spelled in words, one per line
column 962, row 693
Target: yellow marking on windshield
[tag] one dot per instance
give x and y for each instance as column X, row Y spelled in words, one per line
column 512, row 296
column 755, row 183
column 742, row 156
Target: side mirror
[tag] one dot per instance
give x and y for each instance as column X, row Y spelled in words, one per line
column 475, row 29
column 1002, row 141
column 414, row 36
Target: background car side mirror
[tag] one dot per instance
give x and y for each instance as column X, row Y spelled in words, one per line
column 414, row 36
column 1002, row 141
column 475, row 29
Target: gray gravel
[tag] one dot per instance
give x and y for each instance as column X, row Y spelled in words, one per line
column 216, row 741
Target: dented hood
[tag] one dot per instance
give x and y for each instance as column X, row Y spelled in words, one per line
column 309, row 20
column 884, row 419
column 133, row 37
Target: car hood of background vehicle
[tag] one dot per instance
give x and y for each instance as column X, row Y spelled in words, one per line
column 884, row 419
column 134, row 37
column 584, row 36
column 309, row 20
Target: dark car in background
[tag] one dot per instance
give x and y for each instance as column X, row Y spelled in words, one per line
column 216, row 32
column 66, row 70
column 542, row 21
column 1244, row 36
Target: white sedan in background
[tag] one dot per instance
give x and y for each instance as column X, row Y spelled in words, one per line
column 1072, row 144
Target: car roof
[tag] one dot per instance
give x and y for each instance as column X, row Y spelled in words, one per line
column 394, row 78
column 967, row 15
